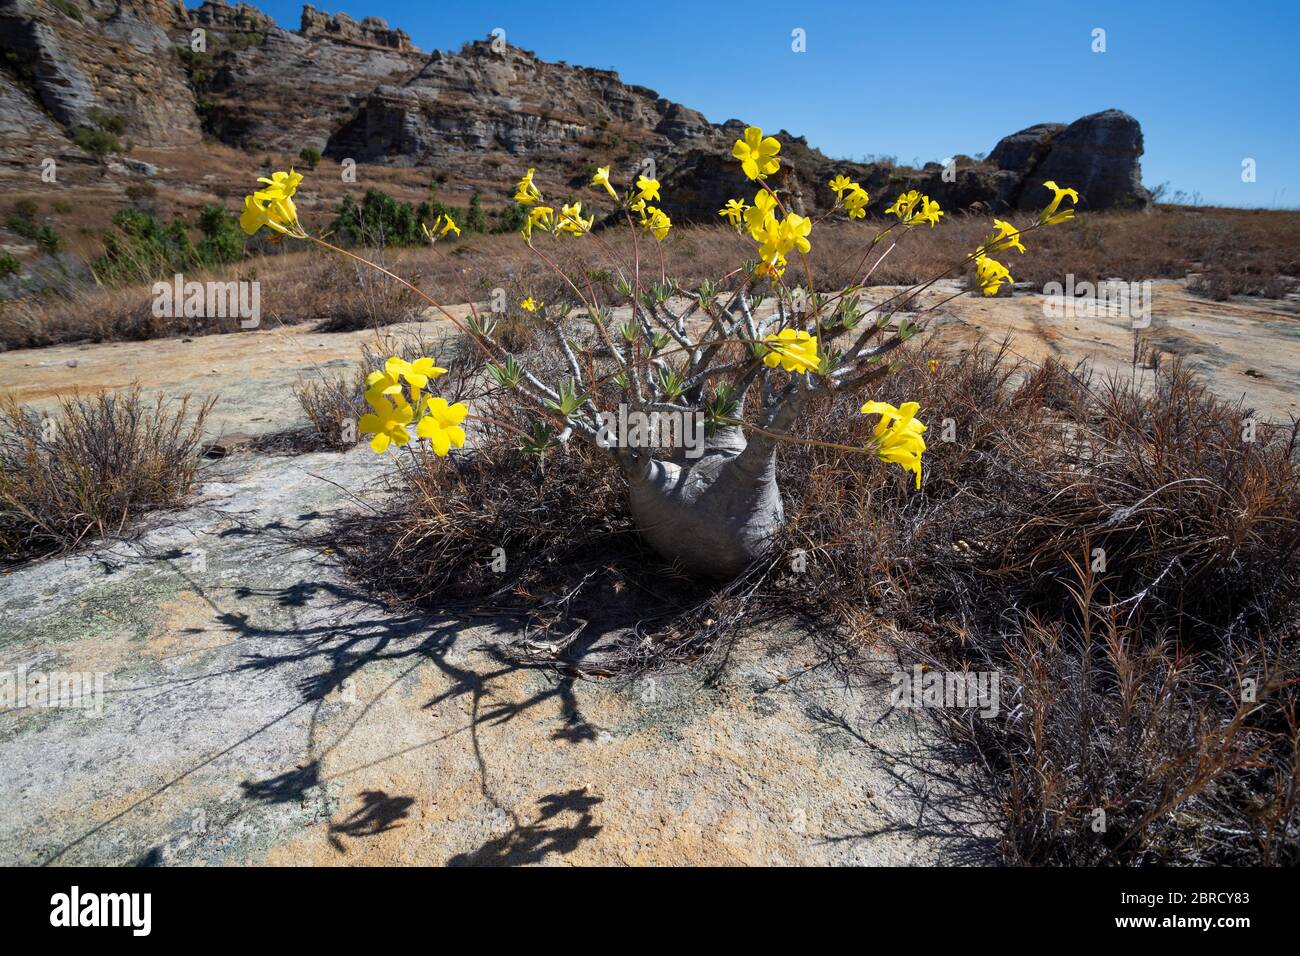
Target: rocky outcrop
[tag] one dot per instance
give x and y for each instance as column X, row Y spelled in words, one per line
column 119, row 62
column 371, row 31
column 1098, row 155
column 485, row 101
column 240, row 18
column 282, row 91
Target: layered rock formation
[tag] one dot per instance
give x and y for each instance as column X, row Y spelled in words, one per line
column 484, row 100
column 371, row 31
column 361, row 90
column 110, row 60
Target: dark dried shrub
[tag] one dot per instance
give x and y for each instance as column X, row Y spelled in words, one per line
column 92, row 468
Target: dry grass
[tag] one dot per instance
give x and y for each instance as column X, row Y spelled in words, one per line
column 1123, row 689
column 1230, row 252
column 88, row 471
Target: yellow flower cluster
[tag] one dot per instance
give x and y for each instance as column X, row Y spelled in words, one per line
column 992, row 274
column 898, row 435
column 439, row 422
column 912, row 209
column 776, row 237
column 530, row 305
column 650, row 218
column 853, row 196
column 273, row 206
column 568, row 221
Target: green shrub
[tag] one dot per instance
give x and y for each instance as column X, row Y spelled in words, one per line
column 475, row 221
column 111, row 123
column 310, row 155
column 511, row 218
column 381, row 220
column 23, row 222
column 223, row 240
column 142, row 248
column 99, row 143
column 9, row 265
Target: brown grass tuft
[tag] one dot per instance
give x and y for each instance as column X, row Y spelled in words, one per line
column 88, row 471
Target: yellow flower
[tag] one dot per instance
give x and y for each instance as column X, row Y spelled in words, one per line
column 757, row 154
column 794, row 233
column 779, row 237
column 602, row 179
column 441, row 426
column 254, row 216
column 417, row 373
column 903, row 205
column 571, row 220
column 284, row 216
column 656, row 222
column 526, row 194
column 794, row 350
column 734, row 211
column 856, row 202
column 991, row 274
column 930, row 212
column 841, row 185
column 444, row 223
column 1049, row 215
column 387, row 423
column 380, row 385
column 898, row 435
column 541, row 217
column 529, row 305
column 1006, row 237
column 272, row 207
column 934, row 366
column 758, row 215
column 280, row 185
column 647, row 189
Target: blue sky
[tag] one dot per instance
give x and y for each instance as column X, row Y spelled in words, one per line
column 1211, row 83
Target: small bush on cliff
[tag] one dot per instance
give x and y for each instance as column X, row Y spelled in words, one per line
column 23, row 222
